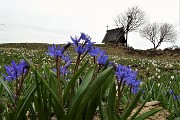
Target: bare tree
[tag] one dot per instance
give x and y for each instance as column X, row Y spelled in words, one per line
column 158, row 33
column 131, row 20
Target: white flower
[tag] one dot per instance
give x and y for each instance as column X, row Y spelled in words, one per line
column 172, row 77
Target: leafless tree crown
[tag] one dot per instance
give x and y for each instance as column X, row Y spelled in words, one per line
column 131, row 20
column 158, row 33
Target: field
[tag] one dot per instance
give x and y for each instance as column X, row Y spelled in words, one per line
column 150, row 64
column 158, row 69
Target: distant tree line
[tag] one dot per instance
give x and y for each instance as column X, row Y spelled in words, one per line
column 134, row 19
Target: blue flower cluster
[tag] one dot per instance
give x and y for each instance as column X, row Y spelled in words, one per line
column 102, row 59
column 64, row 69
column 128, row 76
column 83, row 45
column 55, row 51
column 16, row 70
column 59, row 51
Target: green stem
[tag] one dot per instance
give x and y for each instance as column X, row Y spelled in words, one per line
column 77, row 63
column 83, row 56
column 118, row 99
column 16, row 94
column 120, row 91
column 101, row 106
column 22, row 81
column 96, row 72
column 129, row 100
column 94, row 59
column 58, row 79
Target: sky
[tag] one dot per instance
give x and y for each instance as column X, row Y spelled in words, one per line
column 54, row 21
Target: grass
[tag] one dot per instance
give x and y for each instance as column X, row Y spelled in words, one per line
column 159, row 66
column 149, row 66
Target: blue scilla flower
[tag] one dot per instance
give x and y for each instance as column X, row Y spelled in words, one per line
column 128, row 76
column 67, row 61
column 135, row 86
column 63, row 69
column 102, row 58
column 131, row 78
column 16, row 70
column 85, row 46
column 55, row 51
column 94, row 51
column 135, row 89
column 80, row 50
column 89, row 46
column 85, row 37
column 66, row 58
column 176, row 97
column 75, row 40
column 122, row 72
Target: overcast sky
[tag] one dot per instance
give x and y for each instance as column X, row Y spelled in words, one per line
column 54, row 21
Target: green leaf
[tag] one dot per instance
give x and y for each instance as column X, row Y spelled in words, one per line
column 147, row 98
column 54, row 96
column 108, row 82
column 97, row 100
column 38, row 100
column 147, row 114
column 101, row 110
column 132, row 105
column 92, row 89
column 118, row 116
column 52, row 93
column 27, row 100
column 46, row 71
column 91, row 107
column 72, row 82
column 80, row 92
column 63, row 81
column 112, row 102
column 1, row 89
column 19, row 104
column 38, row 88
column 49, row 73
column 10, row 93
column 86, row 80
column 178, row 118
column 56, row 111
column 39, row 108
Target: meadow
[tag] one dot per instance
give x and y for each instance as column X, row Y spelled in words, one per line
column 159, row 72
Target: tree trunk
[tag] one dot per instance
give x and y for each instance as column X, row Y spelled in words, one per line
column 155, row 47
column 159, row 43
column 126, row 39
